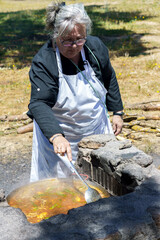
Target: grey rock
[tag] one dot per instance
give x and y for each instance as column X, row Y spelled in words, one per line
column 132, row 172
column 125, row 144
column 105, row 156
column 143, row 159
column 2, row 195
column 100, row 138
column 119, row 162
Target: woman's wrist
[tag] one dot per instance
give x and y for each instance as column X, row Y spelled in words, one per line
column 55, row 136
column 119, row 113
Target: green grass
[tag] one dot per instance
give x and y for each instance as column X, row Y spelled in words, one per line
column 122, row 28
column 22, row 32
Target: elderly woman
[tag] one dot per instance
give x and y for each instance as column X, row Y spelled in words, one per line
column 73, row 85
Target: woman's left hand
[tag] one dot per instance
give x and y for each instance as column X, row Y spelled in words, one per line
column 117, row 123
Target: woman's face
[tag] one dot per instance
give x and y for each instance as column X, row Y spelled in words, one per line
column 78, row 32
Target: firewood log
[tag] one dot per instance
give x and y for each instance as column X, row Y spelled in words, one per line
column 17, row 117
column 25, row 129
column 13, row 118
column 144, row 107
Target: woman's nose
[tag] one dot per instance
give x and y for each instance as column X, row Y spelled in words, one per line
column 74, row 45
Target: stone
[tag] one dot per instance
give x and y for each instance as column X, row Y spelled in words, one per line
column 125, row 144
column 113, row 236
column 134, row 171
column 2, row 195
column 96, row 142
column 118, row 159
column 155, row 213
column 85, row 153
column 106, row 156
column 142, row 159
column 143, row 231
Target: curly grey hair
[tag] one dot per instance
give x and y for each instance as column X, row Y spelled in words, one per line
column 61, row 19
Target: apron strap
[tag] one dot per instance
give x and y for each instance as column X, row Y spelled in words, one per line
column 59, row 62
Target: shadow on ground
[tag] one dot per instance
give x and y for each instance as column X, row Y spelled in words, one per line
column 22, row 34
column 127, row 217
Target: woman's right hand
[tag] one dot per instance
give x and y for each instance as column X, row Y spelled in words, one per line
column 61, row 145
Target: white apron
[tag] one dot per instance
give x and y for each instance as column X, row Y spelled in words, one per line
column 80, row 113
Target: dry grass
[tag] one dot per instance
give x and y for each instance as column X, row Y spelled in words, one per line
column 20, row 5
column 138, row 77
column 14, row 91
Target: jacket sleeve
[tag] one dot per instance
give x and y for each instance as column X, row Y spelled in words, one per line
column 113, row 97
column 107, row 75
column 44, row 89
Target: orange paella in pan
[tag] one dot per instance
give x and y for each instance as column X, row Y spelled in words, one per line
column 46, row 198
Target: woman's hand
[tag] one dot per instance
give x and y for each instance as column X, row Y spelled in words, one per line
column 61, row 145
column 117, row 122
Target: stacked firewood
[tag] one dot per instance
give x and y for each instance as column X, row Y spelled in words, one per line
column 23, row 123
column 145, row 120
column 148, row 121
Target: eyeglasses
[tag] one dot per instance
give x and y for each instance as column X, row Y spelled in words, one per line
column 78, row 42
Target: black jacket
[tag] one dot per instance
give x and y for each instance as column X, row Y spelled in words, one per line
column 45, row 85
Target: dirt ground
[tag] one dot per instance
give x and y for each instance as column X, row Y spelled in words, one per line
column 15, row 161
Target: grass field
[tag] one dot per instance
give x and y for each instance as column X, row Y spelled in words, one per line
column 130, row 29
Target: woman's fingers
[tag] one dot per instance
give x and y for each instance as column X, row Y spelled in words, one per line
column 117, row 124
column 69, row 153
column 62, row 146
